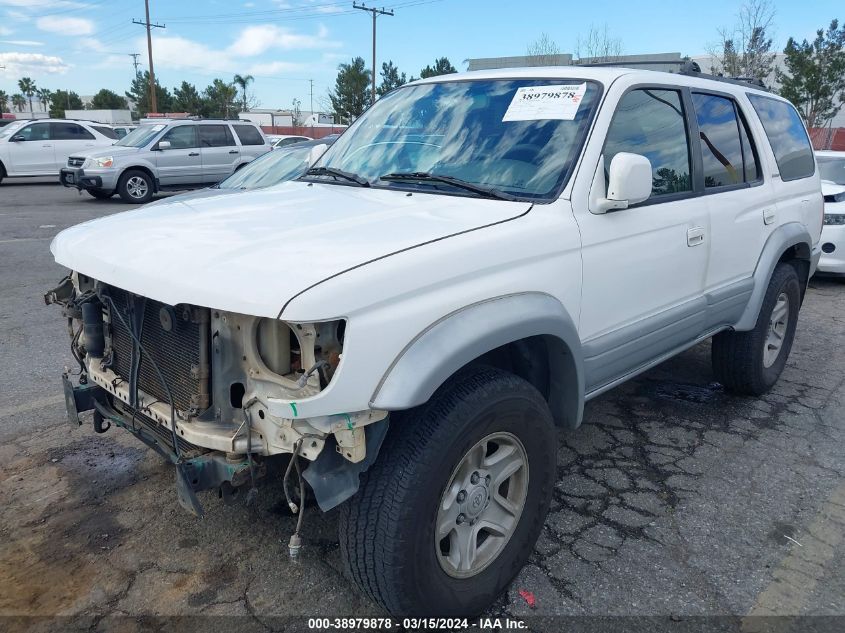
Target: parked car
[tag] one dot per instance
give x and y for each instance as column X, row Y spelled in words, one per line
column 418, row 317
column 266, row 171
column 282, row 140
column 123, row 130
column 166, row 156
column 41, row 147
column 832, row 168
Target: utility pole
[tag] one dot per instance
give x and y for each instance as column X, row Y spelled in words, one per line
column 153, row 105
column 135, row 61
column 376, row 13
column 311, row 81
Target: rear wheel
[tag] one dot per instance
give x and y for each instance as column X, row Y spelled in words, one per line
column 135, row 186
column 751, row 362
column 450, row 511
column 101, row 194
column 2, row 172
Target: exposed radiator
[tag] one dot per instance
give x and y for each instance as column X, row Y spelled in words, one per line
column 177, row 339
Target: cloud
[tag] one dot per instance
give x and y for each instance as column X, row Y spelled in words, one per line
column 18, row 64
column 5, row 31
column 272, row 68
column 255, row 40
column 22, row 42
column 65, row 25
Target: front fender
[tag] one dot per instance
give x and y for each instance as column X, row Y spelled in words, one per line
column 466, row 334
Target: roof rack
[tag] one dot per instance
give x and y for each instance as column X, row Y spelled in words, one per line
column 688, row 68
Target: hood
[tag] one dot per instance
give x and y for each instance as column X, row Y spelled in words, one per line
column 109, row 150
column 196, row 195
column 252, row 252
column 830, row 188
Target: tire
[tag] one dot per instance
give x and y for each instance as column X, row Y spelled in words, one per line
column 101, row 194
column 2, row 173
column 387, row 530
column 135, row 186
column 744, row 362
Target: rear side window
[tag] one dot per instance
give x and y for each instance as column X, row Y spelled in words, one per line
column 106, row 131
column 248, row 135
column 787, row 136
column 726, row 149
column 650, row 122
column 215, row 136
column 70, row 132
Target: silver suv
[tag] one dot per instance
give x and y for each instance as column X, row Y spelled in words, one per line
column 170, row 155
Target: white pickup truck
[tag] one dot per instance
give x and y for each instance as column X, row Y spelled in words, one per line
column 417, row 317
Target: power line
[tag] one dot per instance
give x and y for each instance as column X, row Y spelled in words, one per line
column 146, row 23
column 376, row 13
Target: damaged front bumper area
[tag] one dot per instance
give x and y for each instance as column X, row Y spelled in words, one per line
column 215, row 393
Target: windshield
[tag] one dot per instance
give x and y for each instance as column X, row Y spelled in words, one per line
column 833, row 169
column 7, row 130
column 271, row 169
column 140, row 136
column 517, row 137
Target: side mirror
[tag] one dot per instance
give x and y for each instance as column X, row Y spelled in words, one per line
column 162, row 145
column 316, row 152
column 17, row 138
column 630, row 182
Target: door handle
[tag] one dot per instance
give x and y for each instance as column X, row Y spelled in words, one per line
column 194, row 154
column 768, row 216
column 234, row 151
column 695, row 236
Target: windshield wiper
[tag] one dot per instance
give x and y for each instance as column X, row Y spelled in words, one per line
column 332, row 171
column 424, row 176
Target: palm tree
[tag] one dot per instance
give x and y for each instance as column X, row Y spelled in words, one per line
column 45, row 96
column 243, row 81
column 18, row 102
column 28, row 88
column 3, row 99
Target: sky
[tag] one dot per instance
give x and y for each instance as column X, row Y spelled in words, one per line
column 85, row 45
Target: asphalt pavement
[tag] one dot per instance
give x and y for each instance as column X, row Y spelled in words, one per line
column 675, row 501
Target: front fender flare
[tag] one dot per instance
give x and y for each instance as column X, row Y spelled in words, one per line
column 466, row 334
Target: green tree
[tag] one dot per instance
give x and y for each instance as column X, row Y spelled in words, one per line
column 64, row 100
column 139, row 92
column 18, row 102
column 221, row 98
column 186, row 98
column 746, row 50
column 815, row 77
column 28, row 89
column 442, row 66
column 351, row 94
column 45, row 96
column 296, row 112
column 390, row 78
column 108, row 100
column 242, row 81
column 4, row 99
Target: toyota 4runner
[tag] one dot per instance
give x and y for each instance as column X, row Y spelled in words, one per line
column 416, row 317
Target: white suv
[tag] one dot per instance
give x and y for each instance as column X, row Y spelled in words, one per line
column 418, row 316
column 41, row 147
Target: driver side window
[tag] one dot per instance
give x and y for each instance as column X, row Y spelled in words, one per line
column 35, row 132
column 182, row 137
column 650, row 122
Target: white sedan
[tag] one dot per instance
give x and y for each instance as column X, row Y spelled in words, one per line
column 832, row 167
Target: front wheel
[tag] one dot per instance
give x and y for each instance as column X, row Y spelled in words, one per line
column 750, row 363
column 450, row 511
column 135, row 186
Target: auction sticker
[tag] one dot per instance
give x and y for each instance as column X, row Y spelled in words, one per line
column 536, row 103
